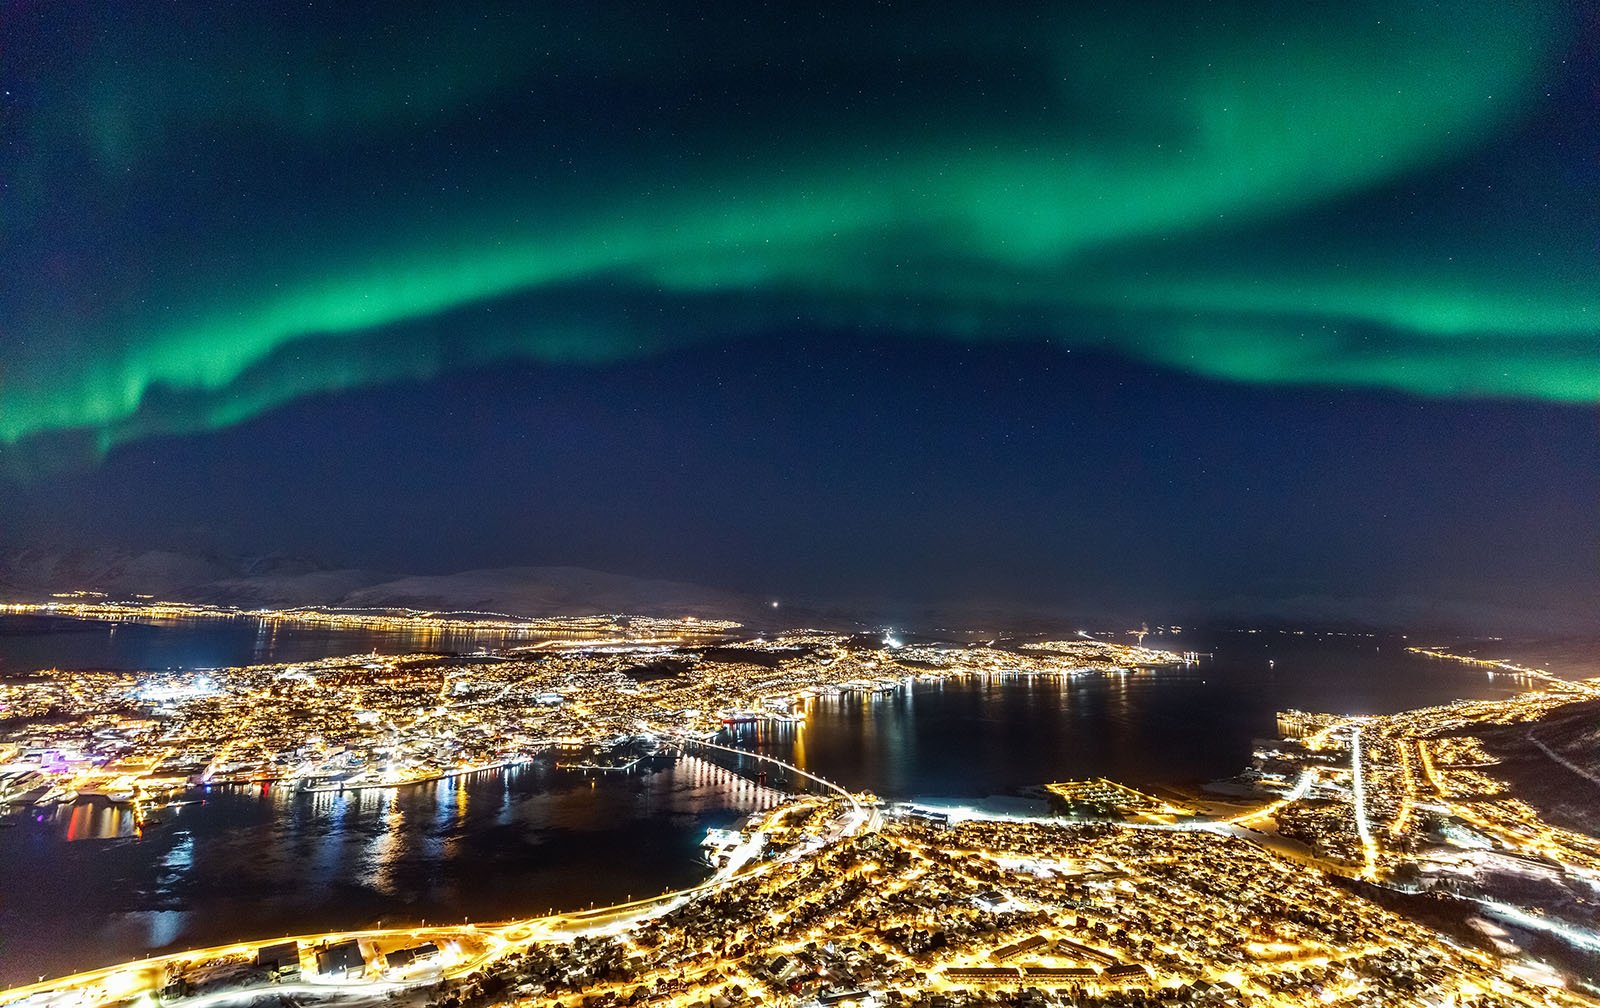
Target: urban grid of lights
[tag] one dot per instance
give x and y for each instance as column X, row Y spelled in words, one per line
column 1117, row 898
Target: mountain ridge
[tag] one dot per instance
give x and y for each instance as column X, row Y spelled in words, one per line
column 276, row 582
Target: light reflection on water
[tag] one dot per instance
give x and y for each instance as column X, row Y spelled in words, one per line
column 93, row 820
column 35, row 642
column 975, row 736
column 81, row 886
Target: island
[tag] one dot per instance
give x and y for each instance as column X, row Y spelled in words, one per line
column 1345, row 866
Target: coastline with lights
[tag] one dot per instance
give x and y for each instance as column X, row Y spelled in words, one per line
column 1108, row 896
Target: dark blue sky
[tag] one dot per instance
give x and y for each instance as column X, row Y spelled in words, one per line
column 896, row 472
column 1153, row 308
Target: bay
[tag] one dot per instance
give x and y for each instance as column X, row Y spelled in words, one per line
column 80, row 887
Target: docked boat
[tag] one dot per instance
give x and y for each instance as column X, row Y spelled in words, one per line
column 23, row 787
column 58, row 794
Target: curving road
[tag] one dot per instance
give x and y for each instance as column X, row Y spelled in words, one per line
column 489, row 941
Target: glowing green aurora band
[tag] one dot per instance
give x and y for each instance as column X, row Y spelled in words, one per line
column 1197, row 194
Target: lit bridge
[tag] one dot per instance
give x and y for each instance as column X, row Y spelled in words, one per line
column 479, row 944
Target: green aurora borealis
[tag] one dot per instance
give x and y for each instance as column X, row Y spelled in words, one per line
column 205, row 220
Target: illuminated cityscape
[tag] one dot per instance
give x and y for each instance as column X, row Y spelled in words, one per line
column 836, row 504
column 370, row 721
column 1107, row 896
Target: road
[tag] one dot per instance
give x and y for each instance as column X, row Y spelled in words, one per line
column 1358, row 788
column 486, row 942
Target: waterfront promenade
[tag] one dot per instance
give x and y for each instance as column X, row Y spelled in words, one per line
column 465, row 948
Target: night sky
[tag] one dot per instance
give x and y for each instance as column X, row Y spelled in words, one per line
column 1155, row 309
